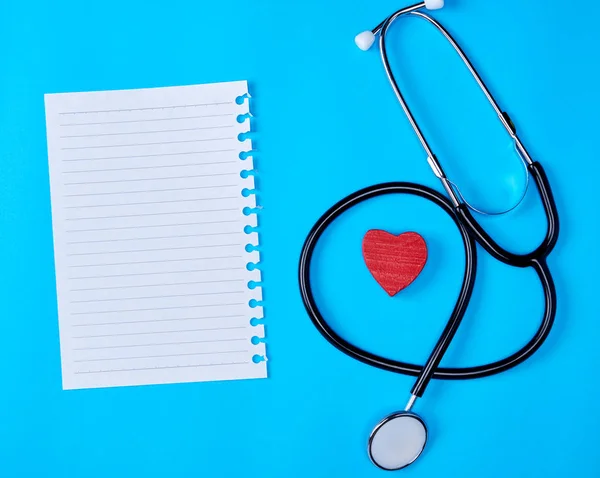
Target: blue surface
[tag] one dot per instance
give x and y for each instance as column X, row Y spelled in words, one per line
column 327, row 124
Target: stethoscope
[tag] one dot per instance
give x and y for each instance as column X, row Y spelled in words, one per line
column 399, row 439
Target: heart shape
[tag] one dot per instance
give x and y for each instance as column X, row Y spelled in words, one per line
column 394, row 261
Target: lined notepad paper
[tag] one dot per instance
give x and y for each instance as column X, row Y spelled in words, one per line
column 149, row 202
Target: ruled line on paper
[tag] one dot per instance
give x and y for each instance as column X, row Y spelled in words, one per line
column 157, row 308
column 152, row 202
column 160, row 368
column 145, row 132
column 162, row 356
column 152, row 179
column 149, row 238
column 151, row 225
column 147, row 167
column 155, row 273
column 161, row 332
column 150, row 190
column 152, row 250
column 121, row 110
column 162, row 344
column 152, row 155
column 164, row 284
column 160, row 143
column 158, row 320
column 195, row 211
column 144, row 120
column 195, row 294
column 183, row 153
column 157, row 261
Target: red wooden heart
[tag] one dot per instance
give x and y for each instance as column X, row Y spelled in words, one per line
column 394, row 261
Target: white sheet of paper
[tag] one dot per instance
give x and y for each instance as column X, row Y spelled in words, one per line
column 149, row 241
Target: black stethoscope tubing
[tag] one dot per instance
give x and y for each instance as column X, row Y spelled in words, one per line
column 471, row 232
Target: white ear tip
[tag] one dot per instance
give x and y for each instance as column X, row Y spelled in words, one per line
column 434, row 4
column 364, row 40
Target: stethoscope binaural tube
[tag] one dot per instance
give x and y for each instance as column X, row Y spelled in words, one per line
column 366, row 39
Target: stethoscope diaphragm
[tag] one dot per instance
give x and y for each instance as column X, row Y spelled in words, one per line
column 397, row 441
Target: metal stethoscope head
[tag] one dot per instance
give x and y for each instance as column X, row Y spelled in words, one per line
column 398, row 439
column 365, row 40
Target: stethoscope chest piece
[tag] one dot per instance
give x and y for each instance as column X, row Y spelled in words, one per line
column 397, row 441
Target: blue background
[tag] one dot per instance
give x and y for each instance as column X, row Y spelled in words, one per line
column 327, row 123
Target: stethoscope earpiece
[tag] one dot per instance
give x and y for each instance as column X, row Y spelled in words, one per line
column 434, row 4
column 364, row 40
